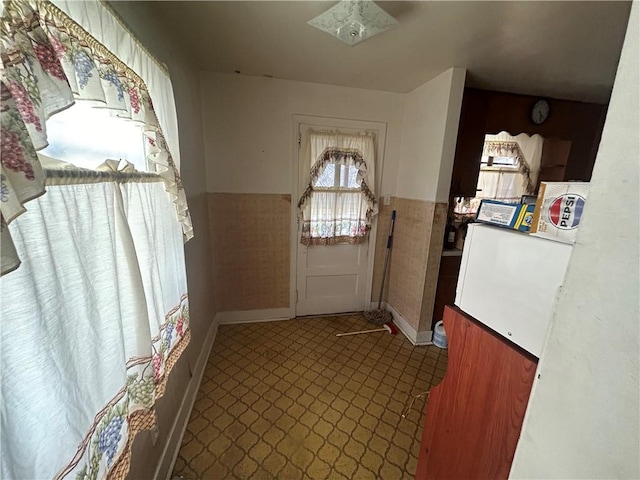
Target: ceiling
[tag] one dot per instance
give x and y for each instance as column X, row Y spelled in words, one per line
column 551, row 48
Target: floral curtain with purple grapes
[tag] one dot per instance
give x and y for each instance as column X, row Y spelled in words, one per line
column 93, row 287
column 49, row 62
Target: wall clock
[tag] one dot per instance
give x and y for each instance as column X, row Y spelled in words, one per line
column 540, row 112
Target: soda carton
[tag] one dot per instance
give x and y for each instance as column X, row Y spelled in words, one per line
column 559, row 210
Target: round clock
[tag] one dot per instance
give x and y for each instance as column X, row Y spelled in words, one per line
column 540, row 112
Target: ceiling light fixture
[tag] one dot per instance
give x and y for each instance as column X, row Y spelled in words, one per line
column 353, row 21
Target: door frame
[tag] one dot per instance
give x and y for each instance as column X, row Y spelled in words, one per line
column 380, row 129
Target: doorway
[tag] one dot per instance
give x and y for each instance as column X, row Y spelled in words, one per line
column 331, row 278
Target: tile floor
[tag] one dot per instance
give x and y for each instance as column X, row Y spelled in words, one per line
column 290, row 400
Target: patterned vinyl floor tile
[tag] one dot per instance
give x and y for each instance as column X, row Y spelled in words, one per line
column 289, row 400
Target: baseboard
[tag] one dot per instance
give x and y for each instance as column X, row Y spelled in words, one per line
column 253, row 316
column 424, row 338
column 415, row 337
column 172, row 447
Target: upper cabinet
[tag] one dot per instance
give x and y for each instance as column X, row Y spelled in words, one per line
column 471, row 132
column 573, row 130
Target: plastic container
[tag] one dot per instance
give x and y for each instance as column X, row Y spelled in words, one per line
column 439, row 335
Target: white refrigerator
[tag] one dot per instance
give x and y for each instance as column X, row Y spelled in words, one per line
column 510, row 280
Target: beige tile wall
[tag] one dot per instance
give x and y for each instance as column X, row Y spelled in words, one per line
column 415, row 258
column 433, row 265
column 409, row 257
column 250, row 240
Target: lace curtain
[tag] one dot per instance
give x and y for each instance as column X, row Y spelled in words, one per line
column 48, row 61
column 338, row 203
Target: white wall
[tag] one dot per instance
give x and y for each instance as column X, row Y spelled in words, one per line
column 429, row 137
column 450, row 137
column 248, row 127
column 583, row 419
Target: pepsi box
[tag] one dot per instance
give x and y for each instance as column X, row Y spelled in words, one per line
column 559, row 210
column 516, row 216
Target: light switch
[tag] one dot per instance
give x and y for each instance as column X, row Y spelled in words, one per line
column 386, row 199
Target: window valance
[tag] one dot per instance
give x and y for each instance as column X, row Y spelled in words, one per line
column 49, row 62
column 502, row 149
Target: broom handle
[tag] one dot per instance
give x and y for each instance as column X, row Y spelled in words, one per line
column 358, row 333
column 386, row 257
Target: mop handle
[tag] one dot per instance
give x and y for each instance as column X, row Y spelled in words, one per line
column 386, row 257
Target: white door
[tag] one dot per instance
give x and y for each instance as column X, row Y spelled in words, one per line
column 330, row 278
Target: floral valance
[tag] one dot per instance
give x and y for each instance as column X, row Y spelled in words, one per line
column 49, row 62
column 502, row 149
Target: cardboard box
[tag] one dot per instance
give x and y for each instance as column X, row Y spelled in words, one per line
column 559, row 210
column 516, row 216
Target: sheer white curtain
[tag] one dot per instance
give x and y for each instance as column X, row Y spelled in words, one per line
column 90, row 322
column 508, row 186
column 527, row 152
column 338, row 203
column 509, row 183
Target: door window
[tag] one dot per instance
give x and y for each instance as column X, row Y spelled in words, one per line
column 338, row 204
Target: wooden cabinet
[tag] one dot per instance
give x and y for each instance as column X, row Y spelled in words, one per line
column 474, row 416
column 447, row 282
column 553, row 163
column 471, row 132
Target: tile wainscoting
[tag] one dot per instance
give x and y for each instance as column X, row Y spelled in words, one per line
column 436, row 243
column 250, row 241
column 415, row 258
column 250, row 244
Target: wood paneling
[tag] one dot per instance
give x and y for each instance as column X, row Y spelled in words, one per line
column 471, row 132
column 492, row 112
column 555, row 153
column 474, row 416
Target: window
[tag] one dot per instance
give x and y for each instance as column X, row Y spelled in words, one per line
column 338, row 204
column 338, row 177
column 506, row 171
column 86, row 136
column 491, row 161
column 93, row 289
